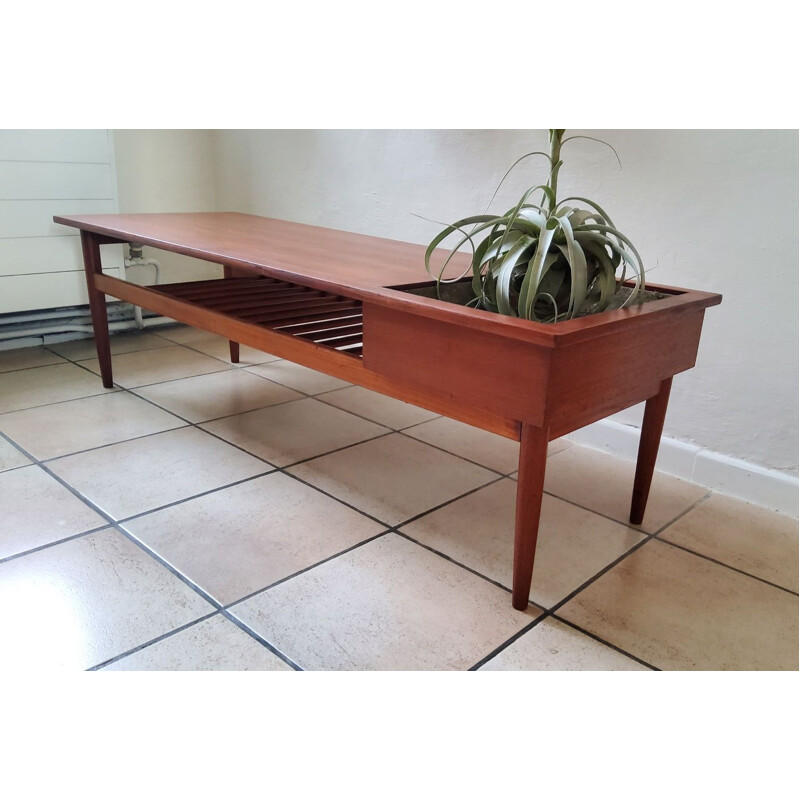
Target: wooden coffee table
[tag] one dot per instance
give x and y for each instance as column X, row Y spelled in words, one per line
column 338, row 302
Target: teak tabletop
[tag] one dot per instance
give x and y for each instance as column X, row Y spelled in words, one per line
column 335, row 301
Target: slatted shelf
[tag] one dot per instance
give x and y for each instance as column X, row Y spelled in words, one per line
column 326, row 319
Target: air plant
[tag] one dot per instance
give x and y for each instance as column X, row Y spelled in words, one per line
column 545, row 262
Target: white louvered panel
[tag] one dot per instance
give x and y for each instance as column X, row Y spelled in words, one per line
column 89, row 146
column 43, row 174
column 25, row 218
column 24, row 256
column 44, row 291
column 40, row 180
column 50, row 254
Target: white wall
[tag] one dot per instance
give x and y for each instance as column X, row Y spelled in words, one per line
column 163, row 171
column 714, row 210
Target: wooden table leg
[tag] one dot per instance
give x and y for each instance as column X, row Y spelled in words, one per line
column 234, row 346
column 97, row 305
column 653, row 424
column 530, row 484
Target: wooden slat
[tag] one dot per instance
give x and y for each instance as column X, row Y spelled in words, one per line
column 291, row 300
column 338, row 322
column 209, row 297
column 347, row 313
column 307, row 313
column 256, row 287
column 318, row 334
column 341, row 341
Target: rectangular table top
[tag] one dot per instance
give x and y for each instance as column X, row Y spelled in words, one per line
column 349, row 261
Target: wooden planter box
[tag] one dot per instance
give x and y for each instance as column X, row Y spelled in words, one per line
column 344, row 304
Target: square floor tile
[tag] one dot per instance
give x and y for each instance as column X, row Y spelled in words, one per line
column 388, row 605
column 676, row 610
column 554, row 646
column 478, row 531
column 27, row 357
column 37, row 510
column 219, row 394
column 81, row 349
column 741, row 535
column 10, row 457
column 239, row 540
column 393, row 478
column 57, row 430
column 42, row 385
column 290, row 432
column 489, row 449
column 213, row 644
column 604, row 483
column 131, row 477
column 153, row 366
column 377, row 407
column 218, row 347
column 82, row 602
column 296, row 376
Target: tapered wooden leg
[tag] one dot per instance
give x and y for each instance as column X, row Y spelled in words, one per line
column 97, row 305
column 530, row 484
column 654, row 412
column 234, row 346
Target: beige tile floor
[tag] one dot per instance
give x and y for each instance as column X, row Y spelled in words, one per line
column 262, row 516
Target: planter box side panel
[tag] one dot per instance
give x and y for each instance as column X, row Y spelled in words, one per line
column 606, row 374
column 474, row 369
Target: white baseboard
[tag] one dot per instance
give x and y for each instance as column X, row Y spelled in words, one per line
column 724, row 474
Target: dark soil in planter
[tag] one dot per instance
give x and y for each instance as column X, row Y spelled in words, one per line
column 460, row 293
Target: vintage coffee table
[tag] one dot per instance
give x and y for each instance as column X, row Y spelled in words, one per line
column 332, row 301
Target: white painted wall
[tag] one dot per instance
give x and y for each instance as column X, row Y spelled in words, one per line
column 163, row 171
column 715, row 210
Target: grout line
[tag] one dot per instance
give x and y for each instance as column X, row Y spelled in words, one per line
column 278, row 582
column 624, row 524
column 146, row 512
column 456, row 455
column 598, row 575
column 103, row 393
column 518, row 635
column 380, row 522
column 48, row 545
column 50, row 459
column 35, row 366
column 681, row 514
column 606, row 643
column 727, row 566
column 261, row 640
column 448, row 502
column 156, row 640
column 457, row 563
column 144, row 385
